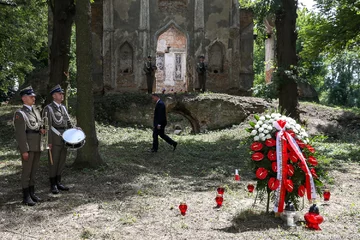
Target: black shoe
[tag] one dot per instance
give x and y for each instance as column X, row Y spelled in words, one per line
column 53, row 186
column 175, row 145
column 26, row 198
column 59, row 185
column 32, row 194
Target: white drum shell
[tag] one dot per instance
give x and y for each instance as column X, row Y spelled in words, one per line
column 74, row 138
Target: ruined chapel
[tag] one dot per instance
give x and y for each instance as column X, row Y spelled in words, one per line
column 175, row 33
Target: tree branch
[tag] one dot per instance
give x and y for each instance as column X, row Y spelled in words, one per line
column 6, row 3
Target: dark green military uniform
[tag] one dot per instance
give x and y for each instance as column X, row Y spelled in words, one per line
column 149, row 69
column 27, row 121
column 58, row 119
column 201, row 68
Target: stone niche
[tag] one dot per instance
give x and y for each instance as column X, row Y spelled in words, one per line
column 125, row 66
column 126, row 54
column 216, row 58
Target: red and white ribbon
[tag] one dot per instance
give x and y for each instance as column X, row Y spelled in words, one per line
column 284, row 141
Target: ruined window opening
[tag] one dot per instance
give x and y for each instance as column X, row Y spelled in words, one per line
column 126, row 54
column 216, row 58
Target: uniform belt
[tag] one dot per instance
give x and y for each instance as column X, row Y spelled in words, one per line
column 33, row 131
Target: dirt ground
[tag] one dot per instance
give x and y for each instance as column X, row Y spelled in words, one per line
column 109, row 207
column 136, row 196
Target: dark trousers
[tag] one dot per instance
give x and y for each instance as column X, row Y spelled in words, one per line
column 202, row 81
column 160, row 132
column 29, row 169
column 150, row 82
column 59, row 158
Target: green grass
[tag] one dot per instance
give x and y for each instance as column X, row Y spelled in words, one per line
column 211, row 155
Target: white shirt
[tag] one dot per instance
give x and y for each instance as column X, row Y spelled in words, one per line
column 29, row 107
column 58, row 105
column 157, row 100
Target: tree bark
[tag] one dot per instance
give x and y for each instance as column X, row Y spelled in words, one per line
column 88, row 156
column 63, row 17
column 286, row 57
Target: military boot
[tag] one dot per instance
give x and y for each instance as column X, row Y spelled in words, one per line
column 27, row 199
column 53, row 186
column 59, row 185
column 32, row 194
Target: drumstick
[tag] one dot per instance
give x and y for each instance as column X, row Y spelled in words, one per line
column 50, row 155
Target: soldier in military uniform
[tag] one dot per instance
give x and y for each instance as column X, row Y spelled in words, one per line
column 59, row 121
column 201, row 68
column 149, row 69
column 28, row 127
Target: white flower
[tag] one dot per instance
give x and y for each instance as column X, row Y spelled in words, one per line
column 257, row 126
column 260, row 123
column 273, row 115
column 253, row 132
column 256, row 138
column 270, row 128
column 268, row 136
column 296, row 131
column 297, row 126
column 262, row 139
column 261, row 129
column 305, row 141
column 287, row 125
column 266, row 131
column 305, row 134
column 262, row 118
column 261, row 135
column 264, row 126
column 267, row 116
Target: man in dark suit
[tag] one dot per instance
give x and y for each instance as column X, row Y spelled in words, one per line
column 160, row 124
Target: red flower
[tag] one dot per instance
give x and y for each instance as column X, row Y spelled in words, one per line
column 270, row 142
column 293, row 157
column 300, row 143
column 274, row 166
column 313, row 161
column 310, row 148
column 291, row 132
column 258, row 156
column 313, row 172
column 256, row 146
column 271, row 155
column 302, row 166
column 261, row 173
column 289, row 185
column 301, row 190
column 290, row 170
column 273, row 183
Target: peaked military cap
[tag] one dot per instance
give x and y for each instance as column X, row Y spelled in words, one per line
column 28, row 91
column 202, row 57
column 56, row 89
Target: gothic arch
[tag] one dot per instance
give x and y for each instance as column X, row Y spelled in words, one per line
column 167, row 27
column 125, row 56
column 216, row 56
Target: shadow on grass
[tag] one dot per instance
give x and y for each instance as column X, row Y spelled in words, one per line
column 248, row 220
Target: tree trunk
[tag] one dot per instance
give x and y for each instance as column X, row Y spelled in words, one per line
column 88, row 156
column 286, row 57
column 63, row 17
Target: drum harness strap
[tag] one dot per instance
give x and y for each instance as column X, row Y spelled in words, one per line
column 55, row 131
